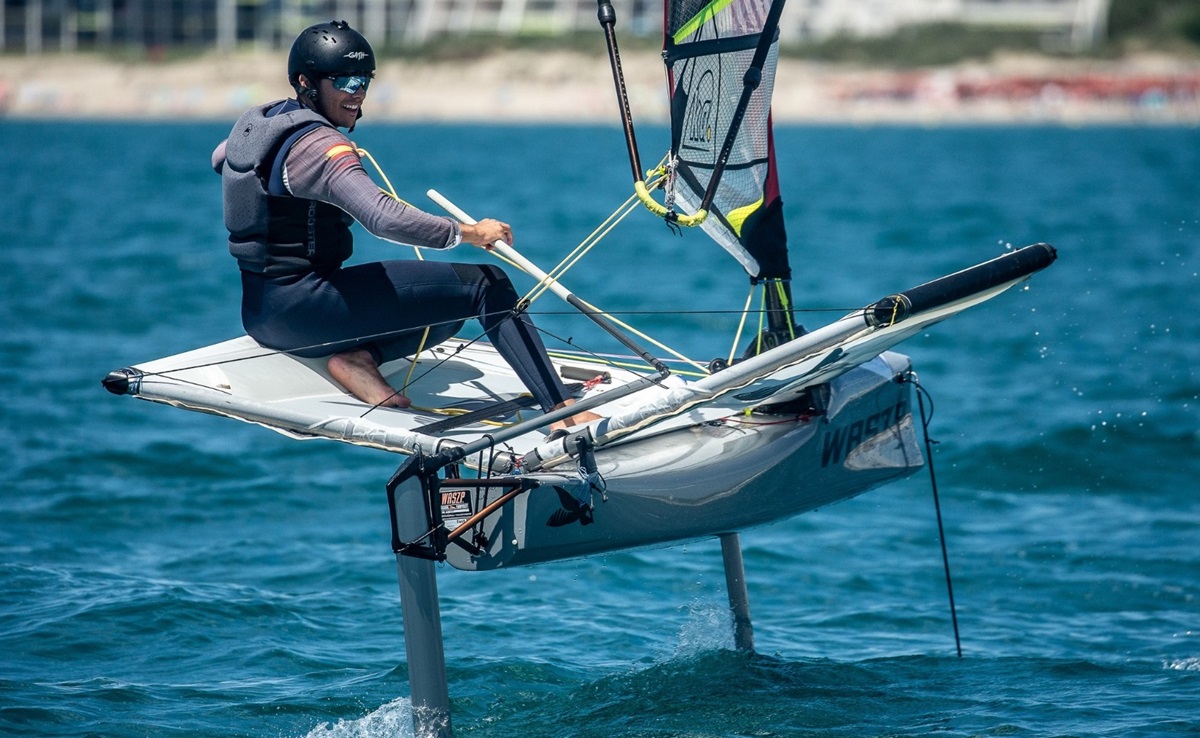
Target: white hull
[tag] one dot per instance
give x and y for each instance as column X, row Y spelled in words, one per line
column 720, row 477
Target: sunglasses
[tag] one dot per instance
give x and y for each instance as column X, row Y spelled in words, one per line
column 351, row 84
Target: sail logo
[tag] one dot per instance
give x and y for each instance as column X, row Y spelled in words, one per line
column 841, row 443
column 701, row 107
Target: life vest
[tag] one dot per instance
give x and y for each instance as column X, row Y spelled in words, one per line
column 271, row 232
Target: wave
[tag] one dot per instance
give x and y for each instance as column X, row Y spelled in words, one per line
column 391, row 720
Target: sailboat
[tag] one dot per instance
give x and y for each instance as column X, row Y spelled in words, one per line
column 802, row 419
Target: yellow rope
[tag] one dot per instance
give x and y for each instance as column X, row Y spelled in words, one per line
column 762, row 315
column 583, row 248
column 737, row 338
column 643, row 188
column 787, row 308
column 589, row 242
column 390, row 189
column 391, row 192
column 413, row 365
column 456, row 411
column 586, row 245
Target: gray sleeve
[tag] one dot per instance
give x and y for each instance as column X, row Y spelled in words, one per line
column 324, row 165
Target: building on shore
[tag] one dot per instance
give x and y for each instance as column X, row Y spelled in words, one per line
column 35, row 26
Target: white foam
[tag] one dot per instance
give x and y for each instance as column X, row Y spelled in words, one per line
column 392, row 720
column 709, row 627
column 1192, row 664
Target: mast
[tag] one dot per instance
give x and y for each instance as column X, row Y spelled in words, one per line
column 608, row 21
column 766, row 239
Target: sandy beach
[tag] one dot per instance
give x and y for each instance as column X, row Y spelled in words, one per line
column 567, row 87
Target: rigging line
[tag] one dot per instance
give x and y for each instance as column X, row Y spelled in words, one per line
column 266, row 352
column 556, row 273
column 610, row 362
column 575, row 255
column 741, row 420
column 762, row 316
column 781, row 293
column 737, row 338
column 653, row 341
column 563, row 266
column 413, row 360
column 507, row 315
column 605, row 226
column 561, row 291
column 586, row 245
column 598, row 357
column 568, row 354
column 922, row 393
column 434, row 365
column 611, row 222
column 391, row 190
column 855, row 309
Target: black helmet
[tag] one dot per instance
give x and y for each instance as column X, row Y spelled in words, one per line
column 329, row 49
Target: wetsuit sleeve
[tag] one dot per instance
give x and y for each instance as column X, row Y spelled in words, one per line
column 323, row 165
column 218, row 157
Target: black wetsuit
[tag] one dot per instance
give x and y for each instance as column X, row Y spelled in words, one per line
column 292, row 184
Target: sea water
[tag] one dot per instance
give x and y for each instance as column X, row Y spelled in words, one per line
column 165, row 573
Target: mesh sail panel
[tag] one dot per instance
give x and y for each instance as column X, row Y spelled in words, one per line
column 708, row 48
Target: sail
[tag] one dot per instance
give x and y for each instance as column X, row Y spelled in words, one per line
column 708, row 47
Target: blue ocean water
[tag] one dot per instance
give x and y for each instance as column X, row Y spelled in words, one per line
column 164, row 573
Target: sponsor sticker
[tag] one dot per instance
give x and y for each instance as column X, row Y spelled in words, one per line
column 456, row 507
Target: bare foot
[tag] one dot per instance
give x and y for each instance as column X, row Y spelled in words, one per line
column 358, row 373
column 582, row 418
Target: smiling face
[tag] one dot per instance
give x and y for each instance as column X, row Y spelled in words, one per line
column 337, row 106
column 340, row 108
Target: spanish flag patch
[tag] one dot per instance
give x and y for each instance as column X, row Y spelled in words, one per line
column 337, row 152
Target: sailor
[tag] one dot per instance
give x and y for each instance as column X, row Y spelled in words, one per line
column 293, row 184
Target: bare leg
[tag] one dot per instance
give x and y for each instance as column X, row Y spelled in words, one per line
column 586, row 416
column 357, row 372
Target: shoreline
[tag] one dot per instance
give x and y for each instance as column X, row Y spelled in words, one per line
column 570, row 87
